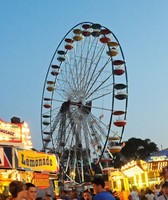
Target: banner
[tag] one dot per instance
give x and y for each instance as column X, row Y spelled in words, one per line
column 37, row 161
column 10, row 132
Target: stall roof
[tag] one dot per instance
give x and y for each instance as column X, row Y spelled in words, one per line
column 158, row 156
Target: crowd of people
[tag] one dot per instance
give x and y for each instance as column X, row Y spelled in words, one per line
column 22, row 191
column 158, row 192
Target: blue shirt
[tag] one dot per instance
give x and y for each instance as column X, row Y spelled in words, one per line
column 103, row 196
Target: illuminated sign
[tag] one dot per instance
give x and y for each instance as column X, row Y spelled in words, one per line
column 41, row 180
column 158, row 158
column 10, row 132
column 37, row 161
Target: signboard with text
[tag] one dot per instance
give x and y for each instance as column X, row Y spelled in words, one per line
column 41, row 180
column 10, row 132
column 37, row 161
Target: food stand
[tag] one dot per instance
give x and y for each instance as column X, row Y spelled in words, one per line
column 19, row 162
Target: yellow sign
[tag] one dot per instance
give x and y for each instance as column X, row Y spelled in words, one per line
column 37, row 161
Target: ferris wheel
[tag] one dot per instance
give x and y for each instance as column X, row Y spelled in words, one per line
column 84, row 100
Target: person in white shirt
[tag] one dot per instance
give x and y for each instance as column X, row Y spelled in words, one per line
column 134, row 193
column 157, row 191
column 149, row 194
column 164, row 195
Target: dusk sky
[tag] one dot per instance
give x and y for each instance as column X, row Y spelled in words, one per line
column 30, row 31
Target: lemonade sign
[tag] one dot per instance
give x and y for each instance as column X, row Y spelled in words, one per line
column 37, row 161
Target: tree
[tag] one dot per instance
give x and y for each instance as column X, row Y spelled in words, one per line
column 135, row 148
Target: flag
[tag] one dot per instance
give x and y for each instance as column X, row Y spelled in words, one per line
column 101, row 116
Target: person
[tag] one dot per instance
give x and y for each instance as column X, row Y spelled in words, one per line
column 134, row 193
column 87, row 195
column 39, row 198
column 91, row 192
column 18, row 190
column 142, row 194
column 149, row 194
column 5, row 197
column 164, row 195
column 73, row 195
column 31, row 191
column 48, row 196
column 99, row 190
column 157, row 191
column 64, row 195
column 164, row 174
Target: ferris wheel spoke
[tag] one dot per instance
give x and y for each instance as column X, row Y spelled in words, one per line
column 62, row 93
column 90, row 74
column 97, row 123
column 71, row 78
column 75, row 67
column 98, row 97
column 95, row 90
column 90, row 131
column 70, row 150
column 83, row 68
column 63, row 131
column 88, row 66
column 70, row 85
column 79, row 66
column 92, row 82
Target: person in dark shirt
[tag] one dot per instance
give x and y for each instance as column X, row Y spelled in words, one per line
column 64, row 195
column 101, row 194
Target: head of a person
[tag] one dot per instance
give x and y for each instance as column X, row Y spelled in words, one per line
column 63, row 193
column 48, row 197
column 98, row 185
column 157, row 186
column 165, row 172
column 134, row 188
column 73, row 194
column 18, row 190
column 91, row 191
column 5, row 197
column 39, row 198
column 87, row 195
column 148, row 191
column 165, row 188
column 31, row 191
